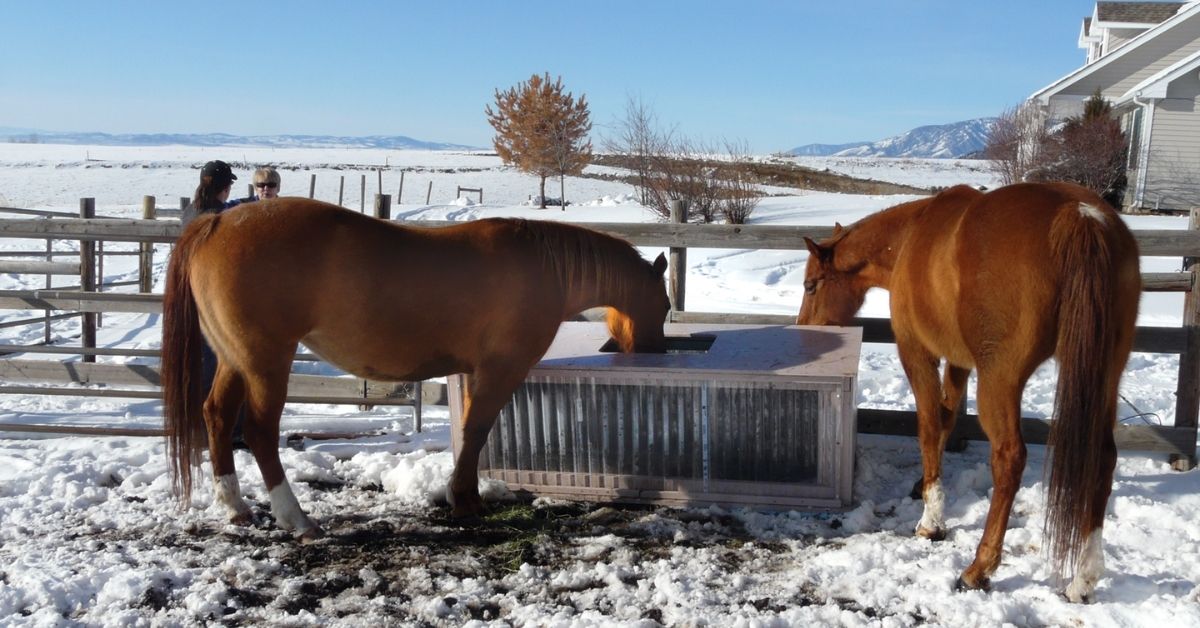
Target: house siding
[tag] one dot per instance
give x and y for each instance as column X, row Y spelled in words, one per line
column 1137, row 65
column 1173, row 165
column 1118, row 37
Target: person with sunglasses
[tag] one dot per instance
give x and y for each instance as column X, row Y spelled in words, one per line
column 266, row 184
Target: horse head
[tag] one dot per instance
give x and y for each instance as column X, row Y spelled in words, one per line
column 637, row 326
column 834, row 287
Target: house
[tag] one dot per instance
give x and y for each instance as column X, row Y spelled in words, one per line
column 1144, row 57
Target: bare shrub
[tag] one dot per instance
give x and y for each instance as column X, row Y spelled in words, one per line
column 1089, row 149
column 667, row 166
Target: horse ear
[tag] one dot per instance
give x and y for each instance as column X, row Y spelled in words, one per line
column 660, row 264
column 813, row 247
column 837, row 228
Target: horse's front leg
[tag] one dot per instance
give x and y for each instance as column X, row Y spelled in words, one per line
column 220, row 416
column 921, row 366
column 488, row 390
column 1000, row 417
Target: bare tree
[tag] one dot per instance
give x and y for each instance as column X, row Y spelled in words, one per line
column 1015, row 142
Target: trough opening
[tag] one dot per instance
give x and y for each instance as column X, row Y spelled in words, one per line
column 693, row 343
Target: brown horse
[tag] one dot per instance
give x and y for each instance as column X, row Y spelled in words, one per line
column 381, row 301
column 1000, row 282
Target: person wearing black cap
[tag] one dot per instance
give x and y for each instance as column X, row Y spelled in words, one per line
column 212, row 195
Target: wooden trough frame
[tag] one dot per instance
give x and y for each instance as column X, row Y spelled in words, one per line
column 763, row 417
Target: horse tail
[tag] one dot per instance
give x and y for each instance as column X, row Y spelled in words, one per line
column 1085, row 241
column 182, row 382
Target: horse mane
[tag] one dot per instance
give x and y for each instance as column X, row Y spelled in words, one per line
column 579, row 257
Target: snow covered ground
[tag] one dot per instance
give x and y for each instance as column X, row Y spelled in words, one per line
column 89, row 534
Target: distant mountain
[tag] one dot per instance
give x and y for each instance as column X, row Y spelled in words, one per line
column 223, row 139
column 823, row 150
column 958, row 139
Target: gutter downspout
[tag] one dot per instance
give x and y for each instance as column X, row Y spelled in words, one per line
column 1147, row 129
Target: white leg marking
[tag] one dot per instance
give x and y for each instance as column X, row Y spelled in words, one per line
column 933, row 518
column 227, row 491
column 287, row 510
column 1093, row 212
column 1090, row 569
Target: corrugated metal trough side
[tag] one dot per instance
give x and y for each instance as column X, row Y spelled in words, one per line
column 763, row 417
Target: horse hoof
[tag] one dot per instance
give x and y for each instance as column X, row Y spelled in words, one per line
column 463, row 512
column 242, row 519
column 935, row 535
column 310, row 535
column 962, row 585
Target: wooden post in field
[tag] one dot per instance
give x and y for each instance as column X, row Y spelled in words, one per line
column 678, row 259
column 249, row 190
column 383, row 206
column 379, row 172
column 362, row 196
column 341, row 189
column 312, row 186
column 146, row 257
column 1187, row 395
column 400, row 192
column 87, row 277
column 49, row 283
column 184, row 202
column 429, row 192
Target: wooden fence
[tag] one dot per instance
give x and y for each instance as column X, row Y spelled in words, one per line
column 1179, row 439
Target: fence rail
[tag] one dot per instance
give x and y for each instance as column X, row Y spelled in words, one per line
column 1180, row 439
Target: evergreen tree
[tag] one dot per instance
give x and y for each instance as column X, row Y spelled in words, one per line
column 541, row 129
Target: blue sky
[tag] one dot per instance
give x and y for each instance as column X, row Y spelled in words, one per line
column 773, row 73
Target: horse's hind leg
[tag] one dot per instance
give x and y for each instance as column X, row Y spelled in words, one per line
column 1091, row 560
column 266, row 391
column 1000, row 417
column 220, row 416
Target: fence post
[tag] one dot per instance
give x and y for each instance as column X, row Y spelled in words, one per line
column 312, row 186
column 400, row 192
column 1187, row 394
column 429, row 192
column 341, row 189
column 362, row 195
column 678, row 259
column 383, row 206
column 184, row 202
column 250, row 190
column 146, row 259
column 87, row 277
column 379, row 172
column 49, row 283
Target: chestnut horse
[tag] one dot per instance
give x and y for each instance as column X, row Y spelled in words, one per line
column 381, row 301
column 1000, row 282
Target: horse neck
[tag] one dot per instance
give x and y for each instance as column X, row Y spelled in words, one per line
column 878, row 239
column 598, row 285
column 589, row 270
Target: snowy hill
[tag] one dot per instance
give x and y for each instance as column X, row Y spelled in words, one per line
column 824, row 150
column 957, row 139
column 392, row 142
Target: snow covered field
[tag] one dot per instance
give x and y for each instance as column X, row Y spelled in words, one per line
column 89, row 533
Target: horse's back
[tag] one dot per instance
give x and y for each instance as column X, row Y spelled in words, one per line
column 983, row 269
column 353, row 288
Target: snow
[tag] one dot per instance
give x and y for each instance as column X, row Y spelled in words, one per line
column 90, row 534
